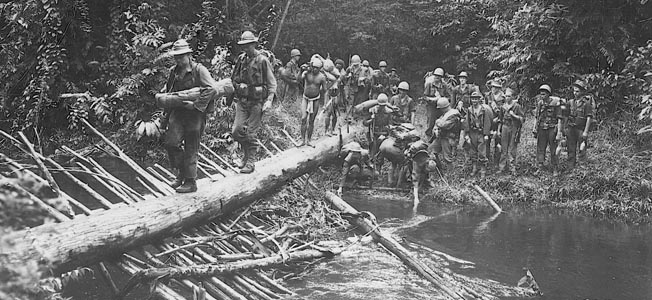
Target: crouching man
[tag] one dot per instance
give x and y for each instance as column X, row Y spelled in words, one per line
column 356, row 166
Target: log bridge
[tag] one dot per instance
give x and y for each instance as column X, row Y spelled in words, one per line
column 124, row 230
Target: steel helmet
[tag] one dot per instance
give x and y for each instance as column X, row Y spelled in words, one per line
column 496, row 84
column 317, row 63
column 365, row 63
column 476, row 95
column 463, row 74
column 382, row 63
column 180, row 47
column 339, row 61
column 295, row 52
column 382, row 99
column 442, row 102
column 355, row 59
column 404, row 86
column 247, row 37
column 431, row 166
column 580, row 84
column 546, row 88
column 439, row 72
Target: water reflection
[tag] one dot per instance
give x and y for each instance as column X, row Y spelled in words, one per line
column 572, row 257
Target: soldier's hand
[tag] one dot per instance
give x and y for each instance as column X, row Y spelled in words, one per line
column 585, row 135
column 486, row 137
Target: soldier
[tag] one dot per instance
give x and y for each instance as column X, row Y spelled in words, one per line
column 185, row 125
column 434, row 89
column 378, row 122
column 255, row 87
column 314, row 88
column 445, row 132
column 352, row 79
column 477, row 127
column 495, row 99
column 394, row 80
column 462, row 93
column 356, row 163
column 380, row 81
column 291, row 77
column 422, row 165
column 548, row 126
column 406, row 106
column 364, row 83
column 581, row 113
column 511, row 120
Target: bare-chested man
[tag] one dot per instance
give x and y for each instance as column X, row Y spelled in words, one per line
column 314, row 88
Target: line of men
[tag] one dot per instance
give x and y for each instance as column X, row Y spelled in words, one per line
column 468, row 116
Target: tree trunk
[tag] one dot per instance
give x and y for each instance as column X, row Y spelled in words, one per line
column 397, row 249
column 87, row 240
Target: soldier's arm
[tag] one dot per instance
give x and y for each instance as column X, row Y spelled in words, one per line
column 486, row 123
column 589, row 116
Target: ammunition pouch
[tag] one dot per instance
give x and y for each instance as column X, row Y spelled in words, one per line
column 574, row 121
column 251, row 92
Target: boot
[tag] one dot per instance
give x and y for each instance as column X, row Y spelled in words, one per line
column 189, row 186
column 248, row 168
column 474, row 170
column 483, row 171
column 245, row 158
column 178, row 181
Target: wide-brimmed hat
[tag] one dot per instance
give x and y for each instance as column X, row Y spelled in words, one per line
column 496, row 84
column 247, row 37
column 180, row 47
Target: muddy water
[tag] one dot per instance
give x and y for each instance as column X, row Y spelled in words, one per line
column 571, row 257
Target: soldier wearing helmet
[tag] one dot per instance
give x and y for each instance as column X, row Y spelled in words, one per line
column 394, row 80
column 581, row 108
column 461, row 94
column 548, row 126
column 378, row 122
column 315, row 85
column 291, row 78
column 495, row 99
column 422, row 165
column 185, row 124
column 357, row 164
column 477, row 129
column 356, row 87
column 511, row 116
column 434, row 89
column 255, row 86
column 380, row 81
column 446, row 130
column 406, row 106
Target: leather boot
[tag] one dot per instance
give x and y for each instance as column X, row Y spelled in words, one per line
column 245, row 158
column 474, row 170
column 189, row 186
column 177, row 181
column 483, row 171
column 249, row 164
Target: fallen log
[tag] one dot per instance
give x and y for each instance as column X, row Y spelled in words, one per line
column 87, row 240
column 397, row 249
column 203, row 270
column 486, row 197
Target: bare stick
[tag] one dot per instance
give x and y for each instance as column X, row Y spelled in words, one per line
column 166, row 190
column 287, row 134
column 219, row 158
column 120, row 195
column 95, row 195
column 107, row 276
column 53, row 212
column 41, row 165
column 486, row 197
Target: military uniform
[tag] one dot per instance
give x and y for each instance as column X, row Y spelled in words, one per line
column 510, row 134
column 448, row 127
column 579, row 110
column 477, row 125
column 356, row 162
column 548, row 112
column 293, row 88
column 494, row 101
column 394, row 79
column 406, row 106
column 378, row 122
column 462, row 94
column 253, row 81
column 434, row 90
column 186, row 126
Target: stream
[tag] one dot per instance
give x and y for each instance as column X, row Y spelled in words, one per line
column 570, row 256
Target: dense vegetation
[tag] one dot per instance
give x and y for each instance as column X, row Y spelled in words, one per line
column 114, row 49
